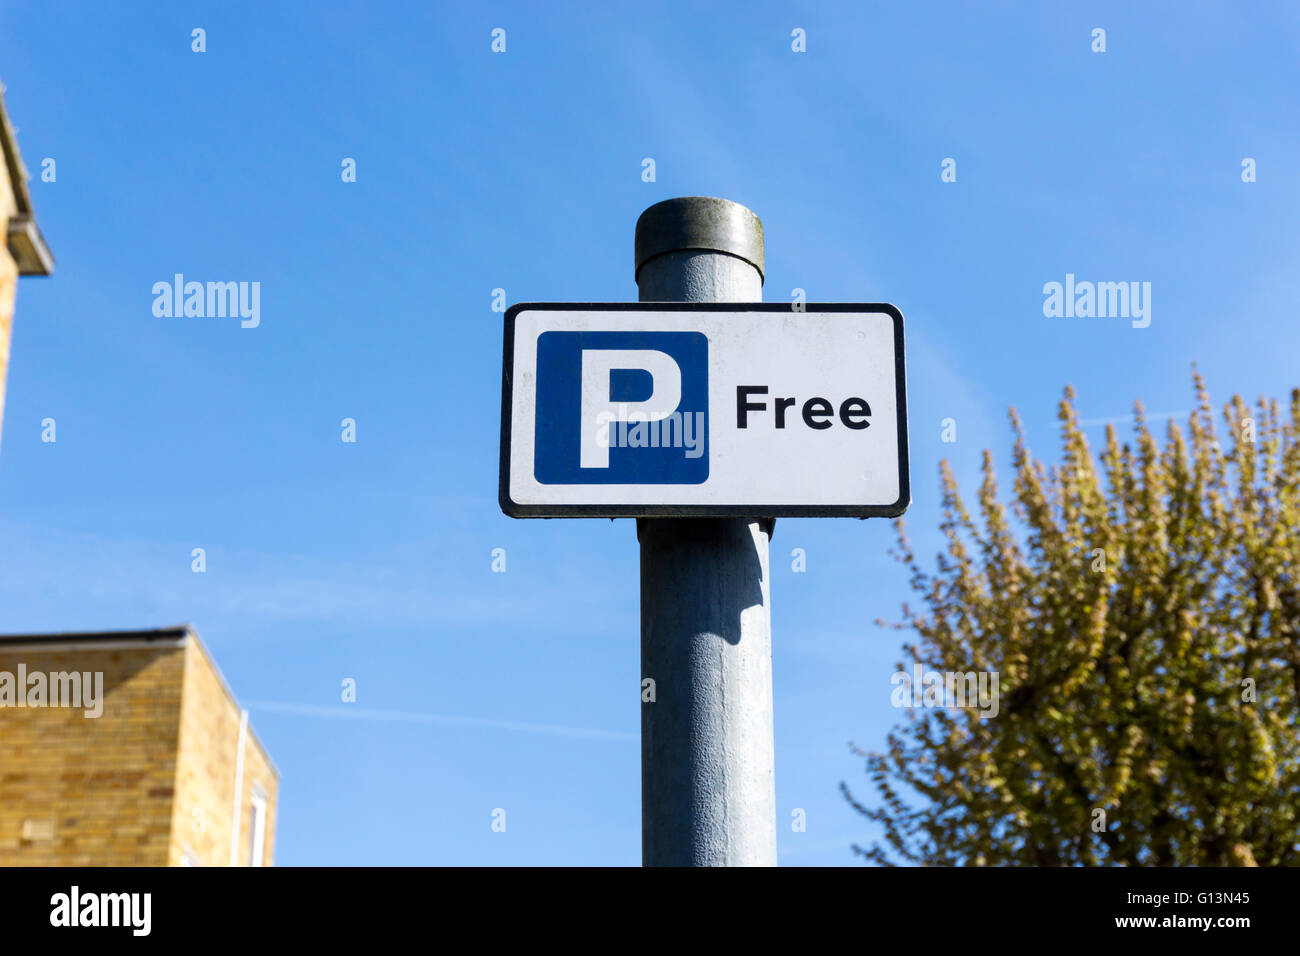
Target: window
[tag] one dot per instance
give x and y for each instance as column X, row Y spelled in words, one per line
column 257, row 829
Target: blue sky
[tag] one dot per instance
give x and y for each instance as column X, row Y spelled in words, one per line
column 522, row 170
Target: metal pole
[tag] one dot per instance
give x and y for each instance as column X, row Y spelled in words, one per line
column 708, row 793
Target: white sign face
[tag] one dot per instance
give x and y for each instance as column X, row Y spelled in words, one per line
column 659, row 409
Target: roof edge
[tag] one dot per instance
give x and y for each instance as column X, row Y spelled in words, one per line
column 192, row 632
column 26, row 244
column 145, row 635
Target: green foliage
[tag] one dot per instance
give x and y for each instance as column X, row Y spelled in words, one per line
column 1125, row 674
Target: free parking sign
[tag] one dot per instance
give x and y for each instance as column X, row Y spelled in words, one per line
column 743, row 409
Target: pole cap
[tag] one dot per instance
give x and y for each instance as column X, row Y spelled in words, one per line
column 700, row 222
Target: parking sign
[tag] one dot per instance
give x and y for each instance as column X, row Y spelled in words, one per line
column 661, row 409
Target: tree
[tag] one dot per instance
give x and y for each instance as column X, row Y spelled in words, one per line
column 1143, row 618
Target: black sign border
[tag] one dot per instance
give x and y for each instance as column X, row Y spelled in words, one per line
column 516, row 510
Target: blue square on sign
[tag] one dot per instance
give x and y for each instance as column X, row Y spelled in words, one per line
column 622, row 408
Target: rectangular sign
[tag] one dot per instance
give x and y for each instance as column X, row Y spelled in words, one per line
column 703, row 408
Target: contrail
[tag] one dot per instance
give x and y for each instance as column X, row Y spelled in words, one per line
column 1126, row 419
column 347, row 710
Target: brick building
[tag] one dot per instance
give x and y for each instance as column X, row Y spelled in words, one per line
column 167, row 773
column 24, row 252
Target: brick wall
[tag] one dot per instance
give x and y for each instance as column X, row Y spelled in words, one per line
column 151, row 782
column 78, row 791
column 209, row 747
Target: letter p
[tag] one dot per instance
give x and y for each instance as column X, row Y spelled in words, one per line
column 599, row 410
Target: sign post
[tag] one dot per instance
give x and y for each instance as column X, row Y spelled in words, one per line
column 708, row 767
column 705, row 414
